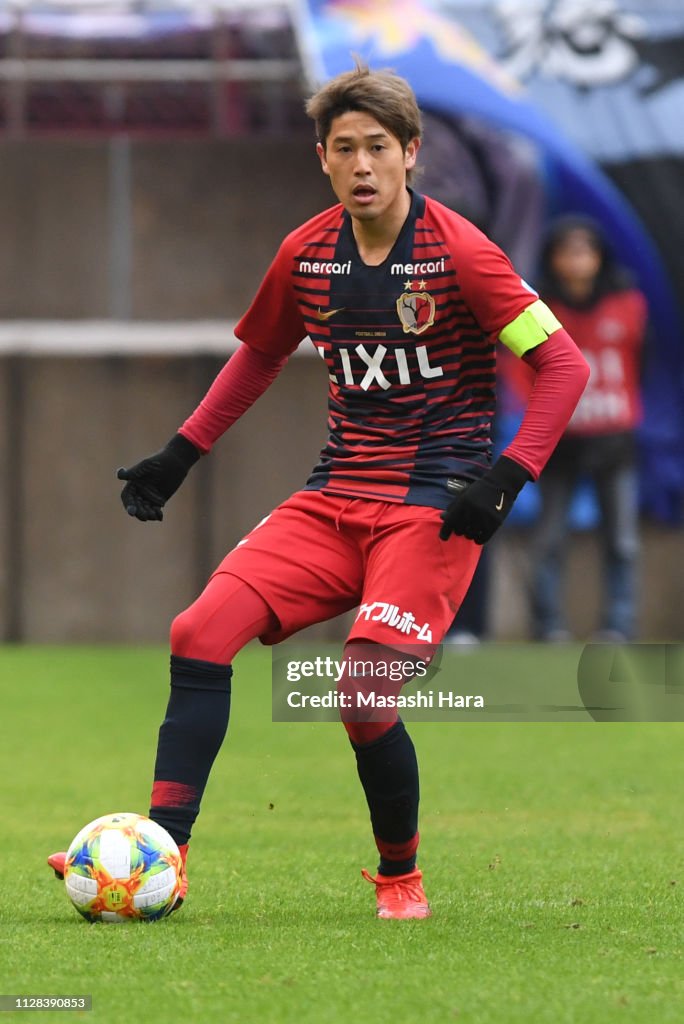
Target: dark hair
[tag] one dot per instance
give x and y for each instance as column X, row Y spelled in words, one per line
column 383, row 94
column 611, row 276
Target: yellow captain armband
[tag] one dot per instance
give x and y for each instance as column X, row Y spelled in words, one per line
column 530, row 328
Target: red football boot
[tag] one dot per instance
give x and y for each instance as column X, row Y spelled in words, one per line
column 400, row 896
column 57, row 862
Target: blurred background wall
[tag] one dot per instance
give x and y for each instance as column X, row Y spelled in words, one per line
column 191, row 236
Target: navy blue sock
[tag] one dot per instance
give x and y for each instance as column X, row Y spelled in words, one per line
column 388, row 771
column 189, row 740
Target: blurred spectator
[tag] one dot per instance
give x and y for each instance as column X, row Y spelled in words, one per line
column 605, row 314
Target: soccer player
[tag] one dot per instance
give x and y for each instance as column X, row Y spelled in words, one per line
column 404, row 301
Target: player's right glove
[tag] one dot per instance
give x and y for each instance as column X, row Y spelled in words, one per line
column 481, row 506
column 152, row 481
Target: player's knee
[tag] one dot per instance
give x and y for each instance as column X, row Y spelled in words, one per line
column 182, row 632
column 189, row 639
column 361, row 733
column 364, row 685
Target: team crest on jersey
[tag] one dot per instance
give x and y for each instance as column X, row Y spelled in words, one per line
column 416, row 311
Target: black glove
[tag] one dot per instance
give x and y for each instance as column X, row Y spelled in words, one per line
column 152, row 481
column 481, row 506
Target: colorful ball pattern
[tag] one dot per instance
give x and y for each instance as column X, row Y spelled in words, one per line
column 123, row 867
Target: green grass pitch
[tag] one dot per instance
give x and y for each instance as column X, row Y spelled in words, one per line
column 553, row 858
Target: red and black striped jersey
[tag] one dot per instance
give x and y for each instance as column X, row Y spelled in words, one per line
column 409, row 346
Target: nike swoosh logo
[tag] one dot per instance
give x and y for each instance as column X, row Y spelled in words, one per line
column 320, row 315
column 500, row 505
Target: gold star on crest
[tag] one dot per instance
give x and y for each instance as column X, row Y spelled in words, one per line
column 422, row 285
column 408, row 285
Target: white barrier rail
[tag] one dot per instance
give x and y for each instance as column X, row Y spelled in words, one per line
column 121, row 338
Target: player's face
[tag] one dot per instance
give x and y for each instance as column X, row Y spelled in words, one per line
column 366, row 165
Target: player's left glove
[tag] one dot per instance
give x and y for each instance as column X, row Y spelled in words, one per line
column 481, row 507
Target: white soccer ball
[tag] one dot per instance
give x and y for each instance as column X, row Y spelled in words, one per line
column 123, row 867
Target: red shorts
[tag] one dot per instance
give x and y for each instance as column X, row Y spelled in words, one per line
column 318, row 555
